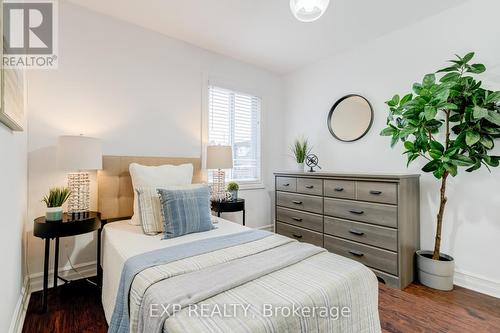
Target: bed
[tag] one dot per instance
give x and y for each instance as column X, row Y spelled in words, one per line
column 239, row 279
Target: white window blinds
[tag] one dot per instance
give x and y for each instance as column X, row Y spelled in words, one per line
column 234, row 119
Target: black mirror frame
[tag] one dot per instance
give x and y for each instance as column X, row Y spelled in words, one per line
column 330, row 114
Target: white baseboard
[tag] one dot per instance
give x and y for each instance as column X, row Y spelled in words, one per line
column 269, row 227
column 85, row 270
column 16, row 324
column 477, row 283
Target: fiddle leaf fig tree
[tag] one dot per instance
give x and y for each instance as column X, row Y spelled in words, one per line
column 451, row 122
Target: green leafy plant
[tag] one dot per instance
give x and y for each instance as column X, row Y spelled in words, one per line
column 56, row 197
column 233, row 186
column 451, row 123
column 300, row 149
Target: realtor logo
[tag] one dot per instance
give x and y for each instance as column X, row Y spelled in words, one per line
column 29, row 32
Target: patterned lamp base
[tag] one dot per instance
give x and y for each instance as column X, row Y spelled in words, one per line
column 79, row 184
column 219, row 185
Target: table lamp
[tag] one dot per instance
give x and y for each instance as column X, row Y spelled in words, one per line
column 78, row 155
column 219, row 158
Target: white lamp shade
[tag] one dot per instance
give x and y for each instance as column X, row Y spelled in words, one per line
column 308, row 10
column 79, row 153
column 219, row 157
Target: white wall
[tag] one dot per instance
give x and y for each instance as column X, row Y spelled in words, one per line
column 141, row 93
column 13, row 197
column 390, row 65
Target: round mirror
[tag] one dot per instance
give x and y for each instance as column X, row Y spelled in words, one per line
column 350, row 118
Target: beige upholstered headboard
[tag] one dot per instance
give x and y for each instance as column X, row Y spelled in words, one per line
column 115, row 193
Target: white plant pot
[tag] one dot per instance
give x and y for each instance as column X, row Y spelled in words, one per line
column 436, row 274
column 300, row 167
column 54, row 214
column 234, row 195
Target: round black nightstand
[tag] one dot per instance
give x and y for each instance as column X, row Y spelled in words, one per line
column 229, row 207
column 71, row 225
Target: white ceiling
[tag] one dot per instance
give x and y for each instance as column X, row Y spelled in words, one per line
column 264, row 32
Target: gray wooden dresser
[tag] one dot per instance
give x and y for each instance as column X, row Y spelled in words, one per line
column 373, row 219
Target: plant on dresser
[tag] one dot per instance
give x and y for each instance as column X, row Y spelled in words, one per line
column 300, row 149
column 451, row 123
column 373, row 219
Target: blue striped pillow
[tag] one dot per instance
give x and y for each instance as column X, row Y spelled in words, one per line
column 185, row 211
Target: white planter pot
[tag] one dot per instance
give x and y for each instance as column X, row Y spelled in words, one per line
column 300, row 167
column 436, row 274
column 234, row 195
column 54, row 214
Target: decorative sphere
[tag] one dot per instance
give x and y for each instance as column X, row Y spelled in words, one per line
column 311, row 160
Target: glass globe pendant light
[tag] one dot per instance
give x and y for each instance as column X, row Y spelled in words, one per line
column 308, row 10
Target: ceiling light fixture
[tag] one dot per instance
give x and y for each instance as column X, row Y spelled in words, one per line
column 308, row 10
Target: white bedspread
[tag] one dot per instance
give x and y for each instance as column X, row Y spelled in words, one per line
column 122, row 241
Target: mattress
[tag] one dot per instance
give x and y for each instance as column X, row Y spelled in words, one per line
column 122, row 241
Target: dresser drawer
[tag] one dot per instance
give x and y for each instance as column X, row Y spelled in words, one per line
column 377, row 192
column 288, row 184
column 345, row 189
column 383, row 260
column 383, row 237
column 310, row 186
column 300, row 219
column 300, row 234
column 300, row 201
column 380, row 214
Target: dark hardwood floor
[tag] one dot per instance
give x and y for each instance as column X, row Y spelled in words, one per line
column 76, row 307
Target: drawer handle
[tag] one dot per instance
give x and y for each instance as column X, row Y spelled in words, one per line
column 339, row 189
column 286, row 185
column 297, row 219
column 297, row 202
column 356, row 232
column 297, row 236
column 357, row 212
column 309, row 186
column 376, row 192
column 356, row 253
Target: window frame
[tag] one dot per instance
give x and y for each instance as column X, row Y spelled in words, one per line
column 237, row 88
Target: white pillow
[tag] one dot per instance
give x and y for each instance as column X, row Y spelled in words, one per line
column 157, row 176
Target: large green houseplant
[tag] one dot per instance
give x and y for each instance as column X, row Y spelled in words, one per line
column 450, row 123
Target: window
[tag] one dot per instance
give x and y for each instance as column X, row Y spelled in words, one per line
column 234, row 120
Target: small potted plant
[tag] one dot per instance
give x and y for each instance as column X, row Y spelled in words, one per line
column 450, row 123
column 233, row 188
column 300, row 149
column 54, row 201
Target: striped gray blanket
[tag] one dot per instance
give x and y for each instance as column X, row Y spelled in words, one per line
column 262, row 283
